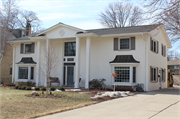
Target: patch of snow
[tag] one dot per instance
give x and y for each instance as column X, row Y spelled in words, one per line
column 73, row 90
column 112, row 94
column 57, row 90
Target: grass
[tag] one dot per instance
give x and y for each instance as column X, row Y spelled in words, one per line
column 14, row 103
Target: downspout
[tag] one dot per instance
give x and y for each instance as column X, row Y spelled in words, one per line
column 145, row 60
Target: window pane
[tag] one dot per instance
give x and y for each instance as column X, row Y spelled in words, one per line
column 124, row 43
column 32, row 72
column 70, row 49
column 10, row 71
column 28, row 48
column 123, row 74
column 23, row 72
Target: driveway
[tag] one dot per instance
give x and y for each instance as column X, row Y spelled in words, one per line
column 160, row 104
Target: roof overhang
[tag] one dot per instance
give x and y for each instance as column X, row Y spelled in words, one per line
column 87, row 35
column 126, row 34
column 124, row 59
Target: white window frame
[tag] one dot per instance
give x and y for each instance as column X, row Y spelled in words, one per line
column 152, row 77
column 29, row 72
column 119, row 43
column 163, row 76
column 25, row 47
column 154, row 47
column 129, row 73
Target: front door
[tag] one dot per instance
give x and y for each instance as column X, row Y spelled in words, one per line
column 70, row 75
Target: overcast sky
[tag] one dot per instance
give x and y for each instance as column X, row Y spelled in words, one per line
column 83, row 14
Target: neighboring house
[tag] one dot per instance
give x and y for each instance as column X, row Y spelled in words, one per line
column 7, row 61
column 174, row 66
column 138, row 54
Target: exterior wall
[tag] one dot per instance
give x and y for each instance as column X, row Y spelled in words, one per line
column 156, row 59
column 6, row 63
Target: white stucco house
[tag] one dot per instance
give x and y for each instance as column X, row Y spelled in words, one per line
column 137, row 54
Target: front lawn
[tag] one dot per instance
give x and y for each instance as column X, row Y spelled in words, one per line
column 14, row 103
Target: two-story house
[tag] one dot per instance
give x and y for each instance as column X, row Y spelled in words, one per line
column 137, row 54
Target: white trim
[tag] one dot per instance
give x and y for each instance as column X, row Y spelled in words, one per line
column 116, row 35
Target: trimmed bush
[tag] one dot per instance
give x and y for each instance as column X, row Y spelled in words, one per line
column 23, row 87
column 17, row 86
column 28, row 88
column 97, row 84
column 30, row 83
column 37, row 88
column 43, row 88
column 53, row 88
column 62, row 88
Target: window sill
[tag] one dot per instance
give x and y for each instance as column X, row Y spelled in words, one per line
column 154, row 52
column 124, row 50
column 153, row 81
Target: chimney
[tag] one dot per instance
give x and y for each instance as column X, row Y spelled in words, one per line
column 28, row 28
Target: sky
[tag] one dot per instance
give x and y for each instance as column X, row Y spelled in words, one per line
column 82, row 14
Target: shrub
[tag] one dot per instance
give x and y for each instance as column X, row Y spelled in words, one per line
column 30, row 83
column 43, row 88
column 53, row 88
column 17, row 86
column 28, row 88
column 23, row 87
column 62, row 88
column 37, row 88
column 97, row 84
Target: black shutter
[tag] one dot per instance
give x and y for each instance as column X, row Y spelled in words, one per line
column 32, row 48
column 161, row 49
column 165, row 51
column 157, row 74
column 157, row 47
column 115, row 43
column 151, row 44
column 165, row 75
column 150, row 73
column 22, row 48
column 132, row 43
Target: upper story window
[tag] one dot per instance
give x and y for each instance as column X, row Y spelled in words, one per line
column 124, row 43
column 163, row 50
column 70, row 49
column 23, row 33
column 154, row 45
column 27, row 48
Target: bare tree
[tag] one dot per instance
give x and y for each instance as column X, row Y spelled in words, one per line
column 49, row 63
column 8, row 20
column 120, row 15
column 172, row 55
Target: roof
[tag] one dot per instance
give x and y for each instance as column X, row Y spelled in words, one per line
column 174, row 62
column 26, row 60
column 122, row 30
column 124, row 59
column 23, row 38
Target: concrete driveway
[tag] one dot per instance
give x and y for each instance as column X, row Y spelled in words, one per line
column 160, row 104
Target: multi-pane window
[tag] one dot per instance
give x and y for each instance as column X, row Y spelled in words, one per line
column 23, row 72
column 154, row 45
column 123, row 74
column 134, row 74
column 27, row 48
column 153, row 74
column 70, row 49
column 163, row 74
column 124, row 43
column 163, row 50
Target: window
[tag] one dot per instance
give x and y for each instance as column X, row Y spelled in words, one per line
column 70, row 49
column 23, row 72
column 10, row 72
column 124, row 43
column 27, row 48
column 176, row 67
column 153, row 74
column 163, row 75
column 154, row 45
column 134, row 74
column 123, row 74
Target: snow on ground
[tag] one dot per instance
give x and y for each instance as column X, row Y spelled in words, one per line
column 112, row 94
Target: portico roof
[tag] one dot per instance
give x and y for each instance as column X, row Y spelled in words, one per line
column 124, row 59
column 26, row 60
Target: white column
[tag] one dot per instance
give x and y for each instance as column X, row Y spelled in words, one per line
column 131, row 74
column 13, row 66
column 47, row 60
column 38, row 65
column 88, row 44
column 77, row 63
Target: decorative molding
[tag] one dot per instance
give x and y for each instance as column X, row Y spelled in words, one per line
column 61, row 32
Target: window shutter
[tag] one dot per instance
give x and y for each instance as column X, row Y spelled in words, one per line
column 32, row 48
column 165, row 51
column 157, row 47
column 161, row 49
column 150, row 73
column 151, row 48
column 157, row 74
column 164, row 75
column 115, row 43
column 22, row 48
column 132, row 43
